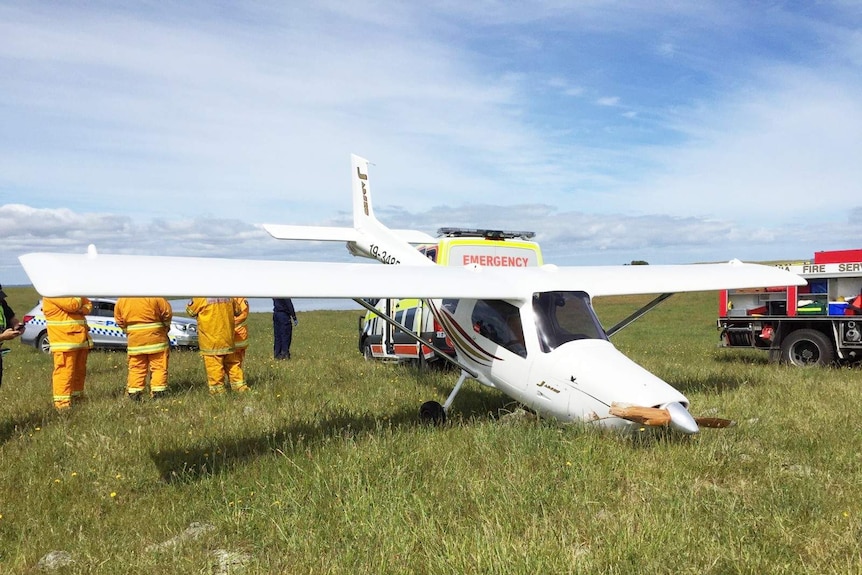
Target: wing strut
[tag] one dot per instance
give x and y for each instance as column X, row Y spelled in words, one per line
column 412, row 335
column 638, row 314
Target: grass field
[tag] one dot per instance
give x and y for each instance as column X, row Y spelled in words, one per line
column 324, row 468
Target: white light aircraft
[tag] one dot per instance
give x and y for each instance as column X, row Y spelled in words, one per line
column 530, row 333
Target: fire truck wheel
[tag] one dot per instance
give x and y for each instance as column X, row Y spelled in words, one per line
column 366, row 352
column 806, row 347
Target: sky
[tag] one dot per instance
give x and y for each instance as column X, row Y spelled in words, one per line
column 670, row 132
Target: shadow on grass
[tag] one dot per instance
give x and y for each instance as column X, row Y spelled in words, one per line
column 197, row 462
column 21, row 424
column 205, row 460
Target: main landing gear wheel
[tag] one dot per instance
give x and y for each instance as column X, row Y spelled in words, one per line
column 432, row 412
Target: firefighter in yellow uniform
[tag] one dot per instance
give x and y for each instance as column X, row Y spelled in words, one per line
column 146, row 320
column 216, row 323
column 240, row 342
column 70, row 344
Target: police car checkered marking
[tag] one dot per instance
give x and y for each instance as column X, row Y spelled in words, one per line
column 107, row 330
column 110, row 331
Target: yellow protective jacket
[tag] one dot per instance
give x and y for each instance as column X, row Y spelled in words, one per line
column 240, row 334
column 67, row 324
column 215, row 317
column 146, row 320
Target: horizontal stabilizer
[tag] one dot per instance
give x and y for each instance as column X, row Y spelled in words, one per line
column 414, row 237
column 339, row 234
column 316, row 233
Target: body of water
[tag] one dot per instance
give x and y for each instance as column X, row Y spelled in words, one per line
column 264, row 305
column 258, row 304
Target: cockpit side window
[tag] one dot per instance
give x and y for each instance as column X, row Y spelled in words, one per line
column 501, row 323
column 562, row 317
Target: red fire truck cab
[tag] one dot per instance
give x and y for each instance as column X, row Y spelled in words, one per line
column 816, row 324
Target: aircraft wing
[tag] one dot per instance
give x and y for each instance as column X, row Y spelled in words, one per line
column 124, row 275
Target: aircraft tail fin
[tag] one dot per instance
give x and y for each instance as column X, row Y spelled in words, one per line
column 368, row 237
column 363, row 210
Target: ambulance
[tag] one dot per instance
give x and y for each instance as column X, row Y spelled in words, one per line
column 455, row 247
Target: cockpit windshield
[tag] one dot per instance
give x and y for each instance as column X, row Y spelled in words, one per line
column 564, row 316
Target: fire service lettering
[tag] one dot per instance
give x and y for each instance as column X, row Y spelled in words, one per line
column 495, row 261
column 808, row 268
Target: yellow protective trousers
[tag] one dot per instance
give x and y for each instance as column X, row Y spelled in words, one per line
column 219, row 366
column 236, row 376
column 154, row 363
column 70, row 370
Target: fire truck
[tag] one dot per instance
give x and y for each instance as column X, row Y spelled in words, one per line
column 455, row 247
column 816, row 324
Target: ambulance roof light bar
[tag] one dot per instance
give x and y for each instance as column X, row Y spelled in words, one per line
column 482, row 233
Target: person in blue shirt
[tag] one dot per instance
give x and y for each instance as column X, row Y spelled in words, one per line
column 283, row 320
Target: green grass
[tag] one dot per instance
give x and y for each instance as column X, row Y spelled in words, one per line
column 325, row 469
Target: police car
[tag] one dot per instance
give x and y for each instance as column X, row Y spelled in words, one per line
column 104, row 330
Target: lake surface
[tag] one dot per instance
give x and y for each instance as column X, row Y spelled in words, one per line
column 264, row 305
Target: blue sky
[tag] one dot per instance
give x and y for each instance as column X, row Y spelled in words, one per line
column 671, row 132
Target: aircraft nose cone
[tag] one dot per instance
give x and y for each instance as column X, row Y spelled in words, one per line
column 680, row 419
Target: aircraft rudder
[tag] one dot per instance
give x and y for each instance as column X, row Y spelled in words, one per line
column 363, row 212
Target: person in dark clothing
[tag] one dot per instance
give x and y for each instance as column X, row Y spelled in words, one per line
column 10, row 328
column 283, row 320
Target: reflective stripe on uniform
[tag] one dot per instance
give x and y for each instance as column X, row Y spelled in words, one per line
column 67, row 322
column 143, row 326
column 150, row 348
column 66, row 346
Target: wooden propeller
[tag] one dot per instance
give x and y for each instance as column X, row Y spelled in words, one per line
column 659, row 417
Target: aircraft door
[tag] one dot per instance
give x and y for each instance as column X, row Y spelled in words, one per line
column 498, row 332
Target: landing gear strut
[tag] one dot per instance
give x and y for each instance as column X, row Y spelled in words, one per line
column 433, row 412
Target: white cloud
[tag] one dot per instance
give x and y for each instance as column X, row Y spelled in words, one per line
column 193, row 120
